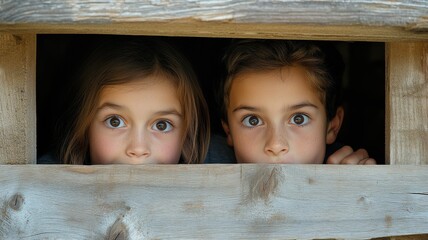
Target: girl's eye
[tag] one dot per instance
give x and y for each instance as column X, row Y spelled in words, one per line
column 162, row 125
column 114, row 122
column 299, row 119
column 252, row 121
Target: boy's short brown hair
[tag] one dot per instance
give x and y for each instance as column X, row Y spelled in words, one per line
column 259, row 55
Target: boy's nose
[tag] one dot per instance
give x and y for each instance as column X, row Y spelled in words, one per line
column 276, row 143
column 138, row 145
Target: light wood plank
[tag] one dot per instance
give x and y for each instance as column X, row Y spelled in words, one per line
column 17, row 99
column 194, row 28
column 367, row 20
column 407, row 103
column 212, row 201
column 403, row 13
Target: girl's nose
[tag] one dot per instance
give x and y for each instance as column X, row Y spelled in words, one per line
column 138, row 145
column 276, row 142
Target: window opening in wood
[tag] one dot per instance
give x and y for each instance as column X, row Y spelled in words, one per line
column 60, row 56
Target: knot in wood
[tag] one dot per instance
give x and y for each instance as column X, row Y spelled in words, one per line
column 16, row 202
column 265, row 183
column 117, row 231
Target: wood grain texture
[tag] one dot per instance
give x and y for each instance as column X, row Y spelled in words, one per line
column 407, row 103
column 367, row 20
column 227, row 30
column 403, row 13
column 17, row 99
column 212, row 201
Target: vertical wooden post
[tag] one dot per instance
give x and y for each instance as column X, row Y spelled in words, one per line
column 17, row 99
column 407, row 103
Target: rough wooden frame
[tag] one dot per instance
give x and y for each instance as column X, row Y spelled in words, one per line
column 407, row 103
column 363, row 20
column 212, row 202
column 29, row 192
column 17, row 99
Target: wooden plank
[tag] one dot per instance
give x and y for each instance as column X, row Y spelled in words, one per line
column 212, row 201
column 407, row 103
column 17, row 99
column 366, row 20
column 403, row 13
column 194, row 28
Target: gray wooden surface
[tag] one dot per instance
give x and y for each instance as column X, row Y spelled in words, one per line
column 212, row 201
column 17, row 99
column 407, row 103
column 365, row 20
column 404, row 13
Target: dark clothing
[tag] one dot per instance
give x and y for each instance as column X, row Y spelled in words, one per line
column 48, row 158
column 219, row 151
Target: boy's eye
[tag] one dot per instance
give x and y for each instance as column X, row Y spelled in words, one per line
column 252, row 121
column 299, row 119
column 114, row 122
column 162, row 125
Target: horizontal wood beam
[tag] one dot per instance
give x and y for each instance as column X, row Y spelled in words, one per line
column 366, row 20
column 212, row 201
column 402, row 13
column 192, row 28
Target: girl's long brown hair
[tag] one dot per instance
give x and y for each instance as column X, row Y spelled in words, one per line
column 118, row 61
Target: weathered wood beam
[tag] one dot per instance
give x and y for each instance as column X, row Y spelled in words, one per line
column 212, row 201
column 365, row 20
column 403, row 13
column 227, row 30
column 407, row 103
column 17, row 99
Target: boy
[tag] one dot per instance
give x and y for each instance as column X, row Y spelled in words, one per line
column 280, row 105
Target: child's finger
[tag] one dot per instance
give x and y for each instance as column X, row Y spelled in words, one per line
column 356, row 157
column 368, row 161
column 339, row 155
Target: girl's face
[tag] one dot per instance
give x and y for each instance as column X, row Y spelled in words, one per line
column 276, row 116
column 136, row 123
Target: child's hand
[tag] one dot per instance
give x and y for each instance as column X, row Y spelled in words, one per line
column 346, row 155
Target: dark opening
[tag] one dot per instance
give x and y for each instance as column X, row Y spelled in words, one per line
column 59, row 57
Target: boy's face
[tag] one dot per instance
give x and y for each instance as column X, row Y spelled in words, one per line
column 138, row 122
column 276, row 116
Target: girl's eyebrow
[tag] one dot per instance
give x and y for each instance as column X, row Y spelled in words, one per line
column 170, row 111
column 109, row 105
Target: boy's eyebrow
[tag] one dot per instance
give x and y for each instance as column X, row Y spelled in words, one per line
column 302, row 105
column 244, row 107
column 290, row 108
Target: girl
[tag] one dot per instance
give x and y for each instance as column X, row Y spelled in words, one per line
column 139, row 102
